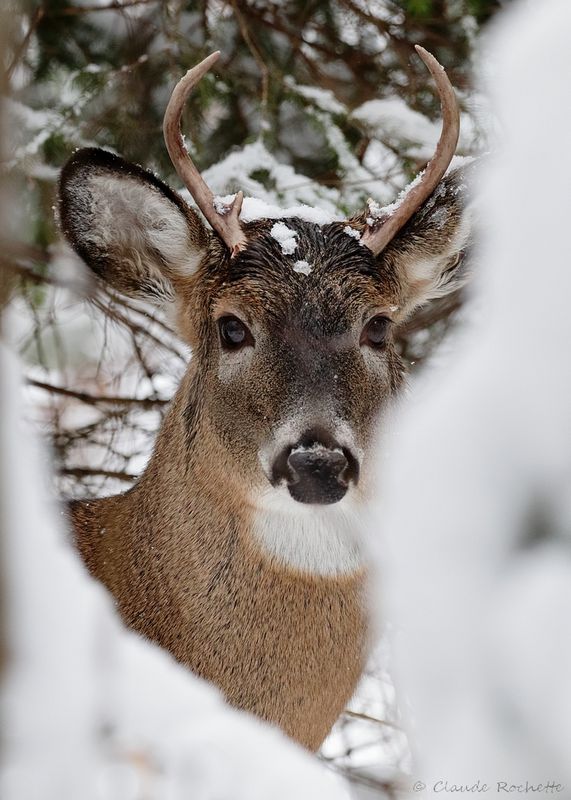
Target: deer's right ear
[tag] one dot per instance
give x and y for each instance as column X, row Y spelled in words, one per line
column 131, row 229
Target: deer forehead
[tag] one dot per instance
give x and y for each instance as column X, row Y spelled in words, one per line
column 322, row 285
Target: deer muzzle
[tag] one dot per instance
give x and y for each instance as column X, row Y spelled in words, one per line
column 316, row 469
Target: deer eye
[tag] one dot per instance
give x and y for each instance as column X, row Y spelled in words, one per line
column 375, row 332
column 234, row 334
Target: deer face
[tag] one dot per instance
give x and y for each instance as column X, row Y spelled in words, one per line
column 292, row 337
column 291, row 324
column 299, row 354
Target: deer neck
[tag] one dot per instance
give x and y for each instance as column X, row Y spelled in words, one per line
column 195, row 565
column 190, row 510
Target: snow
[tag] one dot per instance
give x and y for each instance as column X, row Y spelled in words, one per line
column 253, row 209
column 285, row 236
column 394, row 122
column 91, row 710
column 376, row 211
column 260, row 175
column 322, row 98
column 477, row 568
column 222, row 204
column 303, row 267
column 263, row 179
column 243, row 169
column 393, row 117
column 27, row 130
column 352, row 232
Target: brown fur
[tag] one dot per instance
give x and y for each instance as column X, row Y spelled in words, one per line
column 286, row 646
column 177, row 550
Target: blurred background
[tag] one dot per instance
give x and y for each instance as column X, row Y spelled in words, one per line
column 315, row 102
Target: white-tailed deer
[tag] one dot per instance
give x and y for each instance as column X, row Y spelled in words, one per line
column 238, row 549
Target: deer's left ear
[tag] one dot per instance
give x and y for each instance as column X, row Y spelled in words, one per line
column 427, row 255
column 129, row 227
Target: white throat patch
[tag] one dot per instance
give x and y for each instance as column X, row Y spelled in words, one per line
column 319, row 540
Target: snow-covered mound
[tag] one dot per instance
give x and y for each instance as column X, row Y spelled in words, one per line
column 475, row 534
column 89, row 709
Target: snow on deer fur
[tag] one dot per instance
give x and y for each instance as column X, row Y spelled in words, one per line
column 285, row 236
column 477, row 566
column 303, row 267
column 91, row 710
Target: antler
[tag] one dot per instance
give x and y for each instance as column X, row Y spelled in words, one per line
column 224, row 219
column 379, row 234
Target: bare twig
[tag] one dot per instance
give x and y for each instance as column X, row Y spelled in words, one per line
column 90, row 399
column 368, row 718
column 87, row 472
column 132, row 326
column 384, row 787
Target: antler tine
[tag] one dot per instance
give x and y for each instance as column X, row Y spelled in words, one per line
column 226, row 223
column 377, row 237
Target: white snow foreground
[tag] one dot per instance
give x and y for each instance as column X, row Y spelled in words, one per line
column 89, row 709
column 474, row 539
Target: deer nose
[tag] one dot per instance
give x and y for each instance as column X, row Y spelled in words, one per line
column 316, row 470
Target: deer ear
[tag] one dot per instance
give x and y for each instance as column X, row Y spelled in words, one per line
column 428, row 254
column 131, row 229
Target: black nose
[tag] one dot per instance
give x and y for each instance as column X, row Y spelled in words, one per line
column 316, row 469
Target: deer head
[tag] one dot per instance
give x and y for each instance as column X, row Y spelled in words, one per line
column 291, row 323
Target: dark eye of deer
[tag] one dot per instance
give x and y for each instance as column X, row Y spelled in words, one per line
column 234, row 334
column 375, row 332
